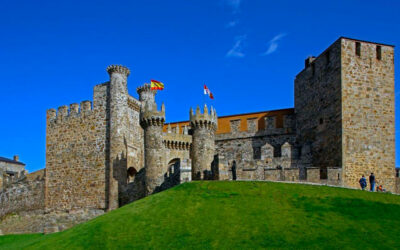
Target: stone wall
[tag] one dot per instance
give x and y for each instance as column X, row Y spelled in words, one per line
column 22, row 195
column 12, row 167
column 368, row 112
column 76, row 147
column 318, row 109
column 256, row 149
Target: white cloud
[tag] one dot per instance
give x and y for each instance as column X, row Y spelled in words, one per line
column 273, row 44
column 234, row 4
column 232, row 24
column 237, row 48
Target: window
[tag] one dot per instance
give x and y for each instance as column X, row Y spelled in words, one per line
column 257, row 153
column 358, row 49
column 379, row 52
column 321, row 121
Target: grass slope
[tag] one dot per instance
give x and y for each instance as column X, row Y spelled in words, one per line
column 236, row 215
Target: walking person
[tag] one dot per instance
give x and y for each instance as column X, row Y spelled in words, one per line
column 372, row 182
column 363, row 182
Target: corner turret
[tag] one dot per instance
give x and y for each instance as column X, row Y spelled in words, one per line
column 152, row 121
column 204, row 126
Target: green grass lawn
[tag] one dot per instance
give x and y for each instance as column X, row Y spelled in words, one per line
column 227, row 215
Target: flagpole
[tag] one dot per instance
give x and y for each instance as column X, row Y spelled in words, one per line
column 204, row 96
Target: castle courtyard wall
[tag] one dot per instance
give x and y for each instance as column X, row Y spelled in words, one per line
column 257, row 147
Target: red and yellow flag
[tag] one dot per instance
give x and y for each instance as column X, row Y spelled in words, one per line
column 156, row 85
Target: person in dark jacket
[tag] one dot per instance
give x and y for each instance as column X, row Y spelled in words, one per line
column 363, row 182
column 372, row 182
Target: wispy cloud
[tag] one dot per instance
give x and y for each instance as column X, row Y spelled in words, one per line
column 273, row 44
column 237, row 49
column 234, row 4
column 232, row 24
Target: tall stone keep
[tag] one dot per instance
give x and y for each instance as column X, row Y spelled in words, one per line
column 203, row 145
column 344, row 104
column 152, row 121
column 118, row 106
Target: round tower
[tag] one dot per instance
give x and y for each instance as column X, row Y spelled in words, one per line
column 146, row 94
column 204, row 126
column 152, row 121
column 117, row 154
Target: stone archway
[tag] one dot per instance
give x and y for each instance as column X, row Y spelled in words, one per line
column 172, row 175
column 131, row 173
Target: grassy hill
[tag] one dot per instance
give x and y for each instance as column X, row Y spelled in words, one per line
column 236, row 215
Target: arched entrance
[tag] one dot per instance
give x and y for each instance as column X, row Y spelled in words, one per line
column 131, row 173
column 172, row 176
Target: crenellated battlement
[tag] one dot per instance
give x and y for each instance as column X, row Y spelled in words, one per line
column 74, row 110
column 145, row 88
column 208, row 120
column 146, row 94
column 118, row 69
column 150, row 116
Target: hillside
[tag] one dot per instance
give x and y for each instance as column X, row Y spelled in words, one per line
column 223, row 215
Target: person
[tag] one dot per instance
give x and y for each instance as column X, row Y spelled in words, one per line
column 372, row 182
column 363, row 182
column 380, row 189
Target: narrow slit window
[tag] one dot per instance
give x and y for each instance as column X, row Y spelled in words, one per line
column 358, row 49
column 379, row 52
column 327, row 55
column 313, row 69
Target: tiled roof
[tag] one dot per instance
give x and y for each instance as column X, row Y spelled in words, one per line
column 3, row 159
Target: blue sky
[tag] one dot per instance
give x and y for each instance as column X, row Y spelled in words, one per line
column 248, row 52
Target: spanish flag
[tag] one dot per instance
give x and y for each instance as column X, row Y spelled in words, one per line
column 156, row 85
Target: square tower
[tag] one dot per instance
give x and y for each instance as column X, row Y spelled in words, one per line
column 344, row 104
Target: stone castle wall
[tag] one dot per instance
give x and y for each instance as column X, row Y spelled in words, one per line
column 318, row 109
column 25, row 194
column 76, row 147
column 249, row 152
column 368, row 112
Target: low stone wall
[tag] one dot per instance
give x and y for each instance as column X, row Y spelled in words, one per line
column 39, row 222
column 22, row 196
column 287, row 174
column 313, row 175
column 397, row 185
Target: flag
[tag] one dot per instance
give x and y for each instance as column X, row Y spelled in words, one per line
column 156, row 85
column 208, row 92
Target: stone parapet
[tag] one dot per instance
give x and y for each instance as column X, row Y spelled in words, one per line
column 204, row 120
column 150, row 116
column 118, row 69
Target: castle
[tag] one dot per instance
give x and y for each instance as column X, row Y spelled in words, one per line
column 116, row 149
